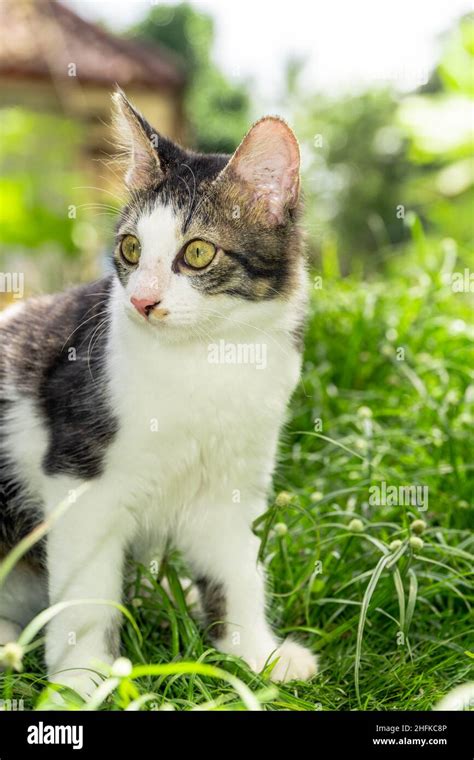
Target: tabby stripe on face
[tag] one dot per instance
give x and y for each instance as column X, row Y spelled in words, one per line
column 234, row 285
column 236, row 276
column 264, row 280
column 253, row 269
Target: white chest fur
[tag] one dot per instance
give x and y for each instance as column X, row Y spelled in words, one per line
column 198, row 421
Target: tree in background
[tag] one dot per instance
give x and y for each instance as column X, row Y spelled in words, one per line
column 355, row 164
column 217, row 110
column 438, row 121
column 372, row 158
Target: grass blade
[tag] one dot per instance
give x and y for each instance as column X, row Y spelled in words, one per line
column 371, row 586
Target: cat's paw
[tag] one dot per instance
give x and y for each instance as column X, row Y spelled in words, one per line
column 295, row 663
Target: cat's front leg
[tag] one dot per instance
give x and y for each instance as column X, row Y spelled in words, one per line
column 85, row 562
column 223, row 552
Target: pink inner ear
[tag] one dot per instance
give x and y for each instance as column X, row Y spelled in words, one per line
column 268, row 159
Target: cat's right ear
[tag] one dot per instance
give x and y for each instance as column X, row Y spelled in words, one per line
column 137, row 143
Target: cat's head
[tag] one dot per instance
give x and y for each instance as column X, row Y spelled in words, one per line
column 205, row 240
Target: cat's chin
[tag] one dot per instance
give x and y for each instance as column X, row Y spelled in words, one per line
column 165, row 331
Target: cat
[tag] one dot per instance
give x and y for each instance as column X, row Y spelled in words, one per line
column 109, row 400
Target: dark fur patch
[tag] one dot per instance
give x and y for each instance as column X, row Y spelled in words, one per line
column 57, row 349
column 214, row 605
column 53, row 353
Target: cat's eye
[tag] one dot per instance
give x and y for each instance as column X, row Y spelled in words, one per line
column 130, row 249
column 199, row 253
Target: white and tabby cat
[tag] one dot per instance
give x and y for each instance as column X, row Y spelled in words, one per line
column 111, row 384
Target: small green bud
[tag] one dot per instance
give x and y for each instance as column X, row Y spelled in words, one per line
column 283, row 499
column 281, row 529
column 356, row 526
column 418, row 527
column 11, row 655
column 416, row 543
column 394, row 545
column 121, row 668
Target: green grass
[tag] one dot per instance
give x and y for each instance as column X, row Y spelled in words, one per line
column 403, row 417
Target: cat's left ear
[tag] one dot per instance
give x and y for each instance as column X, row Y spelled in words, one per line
column 138, row 143
column 267, row 164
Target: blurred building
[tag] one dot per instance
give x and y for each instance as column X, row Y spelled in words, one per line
column 51, row 59
column 58, row 190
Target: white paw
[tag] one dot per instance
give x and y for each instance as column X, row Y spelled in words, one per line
column 295, row 663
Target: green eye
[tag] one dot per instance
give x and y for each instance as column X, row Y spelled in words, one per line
column 199, row 254
column 130, row 249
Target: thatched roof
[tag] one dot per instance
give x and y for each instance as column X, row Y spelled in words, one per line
column 41, row 38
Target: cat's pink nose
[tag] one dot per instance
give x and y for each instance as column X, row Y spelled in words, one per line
column 144, row 305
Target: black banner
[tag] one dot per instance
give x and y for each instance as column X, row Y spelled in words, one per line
column 384, row 734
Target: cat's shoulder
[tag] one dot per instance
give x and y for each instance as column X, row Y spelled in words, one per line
column 40, row 312
column 34, row 334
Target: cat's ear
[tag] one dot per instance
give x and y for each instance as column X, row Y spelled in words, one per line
column 138, row 144
column 267, row 164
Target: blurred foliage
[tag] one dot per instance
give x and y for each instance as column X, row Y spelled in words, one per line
column 36, row 176
column 371, row 159
column 355, row 163
column 217, row 110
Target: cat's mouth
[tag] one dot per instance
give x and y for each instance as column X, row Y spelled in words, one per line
column 161, row 320
column 153, row 315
